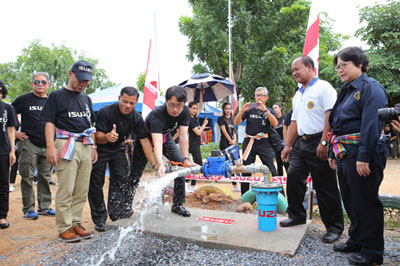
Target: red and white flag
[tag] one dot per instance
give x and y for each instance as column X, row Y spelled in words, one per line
column 311, row 45
column 152, row 82
column 234, row 100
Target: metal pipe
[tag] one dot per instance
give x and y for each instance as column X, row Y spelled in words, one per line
column 252, row 169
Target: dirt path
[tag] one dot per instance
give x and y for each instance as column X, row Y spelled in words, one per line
column 22, row 242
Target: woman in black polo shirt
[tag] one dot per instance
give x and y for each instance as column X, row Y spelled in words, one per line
column 7, row 153
column 228, row 132
column 195, row 131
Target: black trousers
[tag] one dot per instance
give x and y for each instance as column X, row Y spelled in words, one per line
column 303, row 159
column 14, row 169
column 139, row 160
column 4, row 185
column 194, row 149
column 263, row 149
column 362, row 203
column 280, row 164
column 120, row 196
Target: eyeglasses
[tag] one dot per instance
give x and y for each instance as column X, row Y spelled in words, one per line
column 37, row 82
column 177, row 106
column 341, row 67
column 260, row 95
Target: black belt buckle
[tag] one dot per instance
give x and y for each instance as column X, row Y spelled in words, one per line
column 312, row 136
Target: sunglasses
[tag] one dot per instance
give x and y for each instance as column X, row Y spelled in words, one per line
column 37, row 82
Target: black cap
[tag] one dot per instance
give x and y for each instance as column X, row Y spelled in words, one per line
column 83, row 70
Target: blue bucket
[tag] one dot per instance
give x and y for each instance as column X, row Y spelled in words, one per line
column 267, row 199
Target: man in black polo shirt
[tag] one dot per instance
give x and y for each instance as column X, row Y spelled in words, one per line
column 32, row 148
column 114, row 124
column 259, row 122
column 160, row 123
column 69, row 117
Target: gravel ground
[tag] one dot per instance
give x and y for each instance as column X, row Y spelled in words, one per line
column 139, row 249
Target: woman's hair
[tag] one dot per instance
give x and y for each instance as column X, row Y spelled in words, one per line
column 4, row 90
column 225, row 105
column 279, row 105
column 192, row 103
column 355, row 55
column 226, row 119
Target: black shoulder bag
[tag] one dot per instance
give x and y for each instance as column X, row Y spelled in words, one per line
column 274, row 139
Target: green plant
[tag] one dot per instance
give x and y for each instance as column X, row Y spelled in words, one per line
column 206, row 149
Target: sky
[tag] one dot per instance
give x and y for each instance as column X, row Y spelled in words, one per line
column 117, row 33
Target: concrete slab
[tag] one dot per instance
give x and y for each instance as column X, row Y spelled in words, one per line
column 241, row 235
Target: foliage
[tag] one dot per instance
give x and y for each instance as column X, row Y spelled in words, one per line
column 55, row 60
column 140, row 81
column 382, row 33
column 266, row 37
column 206, row 149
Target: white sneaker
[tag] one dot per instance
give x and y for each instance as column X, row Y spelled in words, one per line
column 237, row 188
column 11, row 188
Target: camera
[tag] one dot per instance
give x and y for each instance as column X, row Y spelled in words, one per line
column 388, row 114
column 253, row 105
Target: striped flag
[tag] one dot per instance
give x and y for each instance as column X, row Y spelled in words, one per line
column 234, row 100
column 152, row 82
column 311, row 45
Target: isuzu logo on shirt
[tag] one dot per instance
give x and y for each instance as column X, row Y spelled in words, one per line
column 77, row 114
column 35, row 108
column 4, row 120
column 86, row 114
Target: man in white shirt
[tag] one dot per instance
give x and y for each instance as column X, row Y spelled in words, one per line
column 312, row 104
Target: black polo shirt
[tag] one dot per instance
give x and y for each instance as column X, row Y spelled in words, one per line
column 30, row 107
column 69, row 110
column 159, row 121
column 257, row 121
column 7, row 119
column 125, row 124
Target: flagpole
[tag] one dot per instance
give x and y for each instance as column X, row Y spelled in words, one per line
column 156, row 59
column 230, row 34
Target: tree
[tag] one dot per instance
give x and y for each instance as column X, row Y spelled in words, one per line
column 266, row 37
column 55, row 60
column 382, row 34
column 140, row 81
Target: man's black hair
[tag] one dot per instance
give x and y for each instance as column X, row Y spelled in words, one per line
column 354, row 54
column 176, row 91
column 4, row 90
column 130, row 91
column 307, row 61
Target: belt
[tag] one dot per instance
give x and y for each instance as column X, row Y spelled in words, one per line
column 311, row 136
column 251, row 142
column 77, row 140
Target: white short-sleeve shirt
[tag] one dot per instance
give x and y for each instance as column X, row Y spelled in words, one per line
column 310, row 106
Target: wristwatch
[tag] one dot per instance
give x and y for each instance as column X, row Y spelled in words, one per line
column 324, row 142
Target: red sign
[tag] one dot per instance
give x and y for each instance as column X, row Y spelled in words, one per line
column 215, row 220
column 241, row 179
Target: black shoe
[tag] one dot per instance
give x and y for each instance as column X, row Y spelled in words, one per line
column 291, row 222
column 345, row 248
column 5, row 225
column 100, row 227
column 179, row 209
column 330, row 237
column 357, row 259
